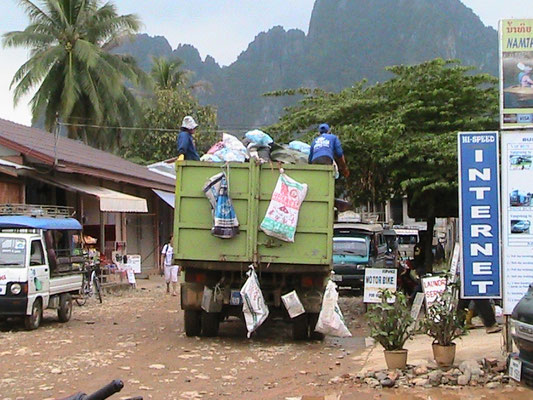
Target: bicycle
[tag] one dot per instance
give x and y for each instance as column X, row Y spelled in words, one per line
column 91, row 285
column 107, row 391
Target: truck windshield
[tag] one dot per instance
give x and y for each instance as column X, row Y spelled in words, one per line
column 407, row 239
column 12, row 253
column 351, row 247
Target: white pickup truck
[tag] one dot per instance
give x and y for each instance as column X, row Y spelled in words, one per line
column 34, row 273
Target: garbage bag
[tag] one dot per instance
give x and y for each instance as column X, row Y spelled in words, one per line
column 216, row 147
column 232, row 143
column 230, row 155
column 293, row 304
column 284, row 154
column 281, row 217
column 211, row 188
column 300, row 146
column 210, row 158
column 258, row 137
column 254, row 307
column 330, row 320
column 258, row 152
column 226, row 225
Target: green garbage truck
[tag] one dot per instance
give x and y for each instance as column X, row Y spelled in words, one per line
column 217, row 267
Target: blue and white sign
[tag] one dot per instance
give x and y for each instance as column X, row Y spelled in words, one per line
column 479, row 214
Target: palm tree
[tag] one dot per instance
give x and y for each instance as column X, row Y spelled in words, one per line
column 168, row 74
column 75, row 76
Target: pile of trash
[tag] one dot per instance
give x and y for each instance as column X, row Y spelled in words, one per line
column 257, row 145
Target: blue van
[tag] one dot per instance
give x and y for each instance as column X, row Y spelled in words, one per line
column 357, row 246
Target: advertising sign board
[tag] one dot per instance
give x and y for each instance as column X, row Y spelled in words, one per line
column 479, row 215
column 516, row 73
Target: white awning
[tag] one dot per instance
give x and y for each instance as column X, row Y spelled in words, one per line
column 6, row 163
column 110, row 200
column 167, row 197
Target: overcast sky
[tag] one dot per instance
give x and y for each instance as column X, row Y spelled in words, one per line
column 221, row 28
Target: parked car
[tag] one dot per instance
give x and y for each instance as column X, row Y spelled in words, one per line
column 522, row 333
column 407, row 239
column 33, row 274
column 520, row 226
column 357, row 246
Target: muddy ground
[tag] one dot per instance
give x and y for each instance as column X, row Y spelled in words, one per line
column 138, row 336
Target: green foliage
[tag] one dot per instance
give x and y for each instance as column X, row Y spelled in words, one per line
column 399, row 137
column 443, row 321
column 74, row 76
column 168, row 74
column 166, row 111
column 390, row 322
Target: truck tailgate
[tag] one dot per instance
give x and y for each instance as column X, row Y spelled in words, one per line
column 67, row 283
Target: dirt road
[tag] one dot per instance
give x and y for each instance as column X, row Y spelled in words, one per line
column 138, row 336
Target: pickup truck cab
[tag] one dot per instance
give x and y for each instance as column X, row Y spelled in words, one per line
column 33, row 274
column 357, row 246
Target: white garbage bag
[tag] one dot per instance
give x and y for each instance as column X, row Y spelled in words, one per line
column 330, row 320
column 293, row 304
column 254, row 307
column 282, row 214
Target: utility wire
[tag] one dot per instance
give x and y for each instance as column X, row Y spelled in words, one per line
column 135, row 128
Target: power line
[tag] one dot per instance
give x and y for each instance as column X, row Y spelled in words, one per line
column 133, row 128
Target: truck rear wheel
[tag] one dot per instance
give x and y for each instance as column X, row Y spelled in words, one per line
column 192, row 321
column 313, row 319
column 64, row 312
column 300, row 327
column 33, row 321
column 210, row 324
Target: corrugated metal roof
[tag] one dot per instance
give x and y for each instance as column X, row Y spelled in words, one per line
column 76, row 157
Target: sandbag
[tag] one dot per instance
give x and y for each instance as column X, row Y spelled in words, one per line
column 254, row 307
column 258, row 137
column 281, row 217
column 293, row 304
column 330, row 320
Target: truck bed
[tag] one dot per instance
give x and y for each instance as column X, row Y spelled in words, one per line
column 250, row 188
column 66, row 283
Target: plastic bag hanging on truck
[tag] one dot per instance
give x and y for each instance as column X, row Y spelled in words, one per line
column 293, row 304
column 226, row 225
column 282, row 214
column 330, row 320
column 254, row 307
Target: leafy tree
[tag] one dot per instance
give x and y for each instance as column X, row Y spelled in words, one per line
column 166, row 111
column 75, row 77
column 399, row 136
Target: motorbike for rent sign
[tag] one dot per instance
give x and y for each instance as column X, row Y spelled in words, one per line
column 479, row 215
column 517, row 210
column 516, row 73
column 376, row 280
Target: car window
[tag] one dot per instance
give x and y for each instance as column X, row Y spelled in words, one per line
column 36, row 253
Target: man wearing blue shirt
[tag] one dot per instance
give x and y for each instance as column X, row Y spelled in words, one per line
column 186, row 147
column 327, row 148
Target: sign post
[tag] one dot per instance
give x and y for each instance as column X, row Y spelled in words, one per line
column 479, row 212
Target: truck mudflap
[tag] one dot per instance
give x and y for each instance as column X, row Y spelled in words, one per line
column 311, row 299
column 191, row 295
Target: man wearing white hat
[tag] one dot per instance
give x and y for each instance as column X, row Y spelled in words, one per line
column 186, row 147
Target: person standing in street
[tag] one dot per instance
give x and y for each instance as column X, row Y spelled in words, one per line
column 170, row 270
column 326, row 149
column 186, row 147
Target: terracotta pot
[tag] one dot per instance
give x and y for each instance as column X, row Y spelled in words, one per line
column 396, row 359
column 444, row 355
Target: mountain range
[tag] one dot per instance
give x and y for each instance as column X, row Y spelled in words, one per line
column 347, row 41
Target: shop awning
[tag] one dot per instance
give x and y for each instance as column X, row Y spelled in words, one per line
column 110, row 200
column 167, row 197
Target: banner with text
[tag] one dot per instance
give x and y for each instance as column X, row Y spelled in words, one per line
column 517, row 208
column 516, row 73
column 479, row 215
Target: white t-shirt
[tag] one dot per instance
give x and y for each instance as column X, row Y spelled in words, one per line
column 168, row 253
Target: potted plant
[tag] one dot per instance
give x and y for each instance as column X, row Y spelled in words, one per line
column 390, row 325
column 444, row 323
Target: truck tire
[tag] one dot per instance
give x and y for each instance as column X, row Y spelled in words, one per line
column 210, row 324
column 313, row 319
column 32, row 322
column 193, row 326
column 300, row 327
column 64, row 312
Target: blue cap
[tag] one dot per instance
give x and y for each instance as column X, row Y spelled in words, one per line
column 323, row 128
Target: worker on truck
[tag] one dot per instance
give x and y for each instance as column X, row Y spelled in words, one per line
column 186, row 147
column 326, row 148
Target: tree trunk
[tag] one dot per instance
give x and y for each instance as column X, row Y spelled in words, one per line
column 428, row 251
